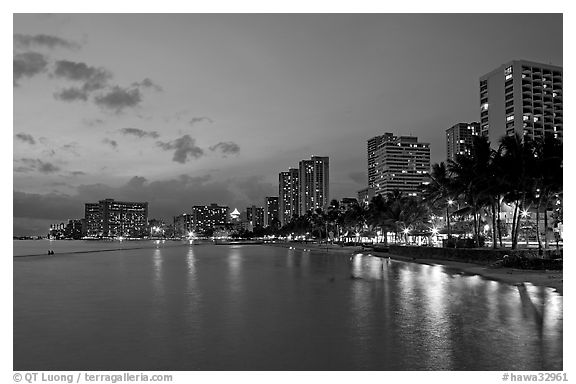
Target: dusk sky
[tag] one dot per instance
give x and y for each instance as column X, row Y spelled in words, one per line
column 188, row 109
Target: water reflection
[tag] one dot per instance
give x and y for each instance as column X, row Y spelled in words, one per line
column 218, row 307
column 157, row 268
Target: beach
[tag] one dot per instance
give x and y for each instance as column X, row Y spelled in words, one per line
column 545, row 278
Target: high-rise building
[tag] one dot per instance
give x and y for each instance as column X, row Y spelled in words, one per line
column 110, row 218
column 347, row 202
column 314, row 180
column 459, row 137
column 401, row 164
column 208, row 217
column 183, row 225
column 255, row 215
column 365, row 196
column 287, row 195
column 92, row 220
column 521, row 97
column 373, row 144
column 270, row 211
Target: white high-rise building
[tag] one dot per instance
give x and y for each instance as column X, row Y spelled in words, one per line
column 401, row 164
column 314, row 180
column 287, row 195
column 459, row 137
column 521, row 97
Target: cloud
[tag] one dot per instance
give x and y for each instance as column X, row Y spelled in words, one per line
column 110, row 142
column 93, row 122
column 147, row 83
column 166, row 198
column 184, row 148
column 26, row 138
column 71, row 147
column 71, row 94
column 358, row 177
column 28, row 64
column 197, row 120
column 117, row 99
column 255, row 189
column 42, row 40
column 48, row 206
column 78, row 173
column 139, row 132
column 227, row 148
column 36, row 165
column 92, row 78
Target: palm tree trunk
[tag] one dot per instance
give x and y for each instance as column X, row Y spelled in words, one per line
column 538, row 226
column 516, row 232
column 499, row 223
column 513, row 230
column 448, row 220
column 546, row 223
column 476, row 228
column 494, row 245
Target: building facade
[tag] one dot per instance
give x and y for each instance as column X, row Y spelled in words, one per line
column 314, row 181
column 271, row 211
column 401, row 164
column 459, row 137
column 372, row 145
column 255, row 216
column 288, row 188
column 521, row 97
column 110, row 218
column 183, row 225
column 72, row 230
column 365, row 196
column 208, row 217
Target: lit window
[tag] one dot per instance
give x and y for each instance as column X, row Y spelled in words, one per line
column 484, row 107
column 510, row 118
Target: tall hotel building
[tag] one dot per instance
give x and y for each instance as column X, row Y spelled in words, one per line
column 400, row 163
column 110, row 218
column 521, row 97
column 373, row 144
column 255, row 216
column 459, row 137
column 270, row 210
column 287, row 195
column 206, row 217
column 314, row 179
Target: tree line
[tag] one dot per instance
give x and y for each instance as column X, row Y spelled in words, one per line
column 523, row 173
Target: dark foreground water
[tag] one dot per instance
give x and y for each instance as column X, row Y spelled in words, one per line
column 267, row 308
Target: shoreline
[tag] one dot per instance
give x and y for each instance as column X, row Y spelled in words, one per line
column 512, row 276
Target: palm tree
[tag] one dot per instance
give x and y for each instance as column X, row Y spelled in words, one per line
column 379, row 216
column 548, row 179
column 354, row 218
column 334, row 215
column 472, row 178
column 439, row 190
column 518, row 160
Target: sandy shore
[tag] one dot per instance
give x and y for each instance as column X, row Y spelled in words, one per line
column 552, row 279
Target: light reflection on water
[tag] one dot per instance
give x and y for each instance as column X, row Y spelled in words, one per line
column 256, row 307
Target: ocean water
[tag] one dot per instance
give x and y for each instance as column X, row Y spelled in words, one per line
column 254, row 307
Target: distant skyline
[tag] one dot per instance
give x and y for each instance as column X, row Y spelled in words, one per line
column 188, row 109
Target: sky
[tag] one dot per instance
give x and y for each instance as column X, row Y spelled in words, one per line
column 187, row 109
